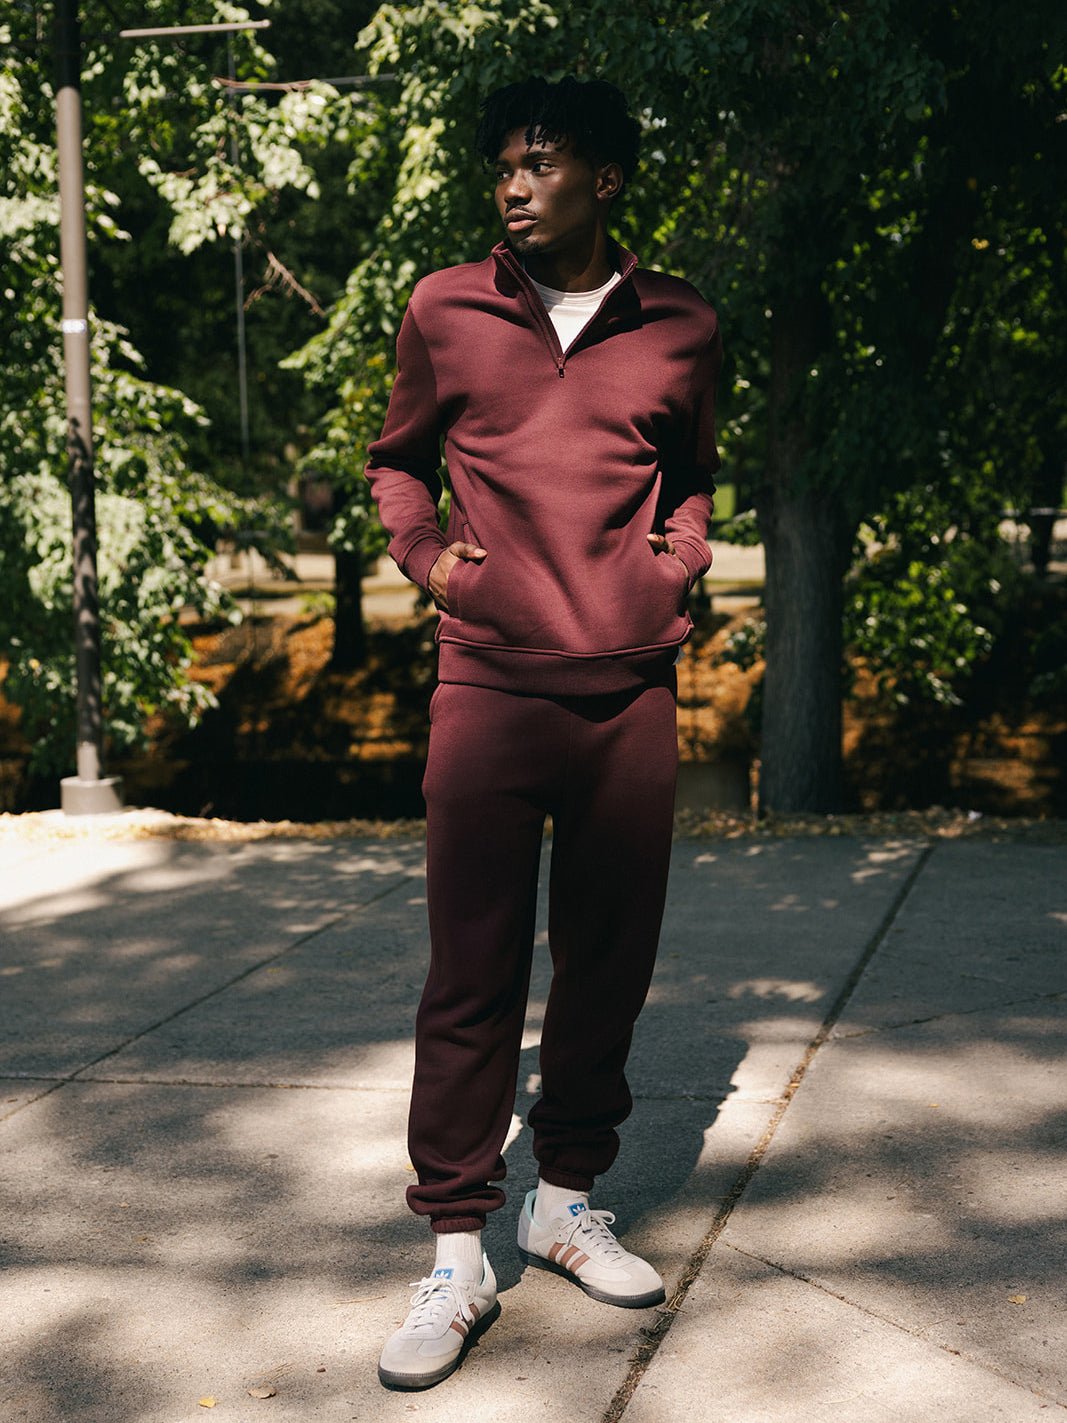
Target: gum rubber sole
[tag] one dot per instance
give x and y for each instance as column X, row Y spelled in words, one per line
column 645, row 1301
column 409, row 1383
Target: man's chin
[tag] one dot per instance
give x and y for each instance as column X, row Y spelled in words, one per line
column 526, row 244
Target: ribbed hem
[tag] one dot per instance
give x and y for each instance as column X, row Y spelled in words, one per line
column 547, row 674
column 566, row 1180
column 453, row 1224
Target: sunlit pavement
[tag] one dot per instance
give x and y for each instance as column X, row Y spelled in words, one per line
column 848, row 1154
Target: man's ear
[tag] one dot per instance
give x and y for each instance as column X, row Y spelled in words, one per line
column 609, row 181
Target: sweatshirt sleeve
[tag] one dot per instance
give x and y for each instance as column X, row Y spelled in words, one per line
column 689, row 486
column 404, row 461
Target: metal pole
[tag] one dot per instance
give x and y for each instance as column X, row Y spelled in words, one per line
column 88, row 792
column 239, row 291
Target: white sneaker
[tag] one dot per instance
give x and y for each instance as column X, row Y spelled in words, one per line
column 447, row 1315
column 580, row 1247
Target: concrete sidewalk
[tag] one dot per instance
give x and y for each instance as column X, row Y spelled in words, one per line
column 848, row 1154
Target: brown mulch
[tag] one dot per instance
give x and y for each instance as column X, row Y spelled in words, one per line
column 927, row 825
column 280, row 699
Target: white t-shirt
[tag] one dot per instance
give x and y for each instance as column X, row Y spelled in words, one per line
column 570, row 312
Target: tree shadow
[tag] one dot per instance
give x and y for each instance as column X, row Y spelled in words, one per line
column 221, row 1194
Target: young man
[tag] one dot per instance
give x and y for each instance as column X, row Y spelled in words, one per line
column 574, row 392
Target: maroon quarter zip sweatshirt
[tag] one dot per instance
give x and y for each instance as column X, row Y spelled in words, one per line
column 559, row 466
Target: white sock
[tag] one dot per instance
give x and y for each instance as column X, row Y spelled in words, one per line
column 552, row 1201
column 461, row 1252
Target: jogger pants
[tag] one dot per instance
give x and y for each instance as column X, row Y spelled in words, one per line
column 604, row 768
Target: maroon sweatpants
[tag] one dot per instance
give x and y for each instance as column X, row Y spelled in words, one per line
column 604, row 767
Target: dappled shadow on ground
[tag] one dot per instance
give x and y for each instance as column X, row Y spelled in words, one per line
column 218, row 1199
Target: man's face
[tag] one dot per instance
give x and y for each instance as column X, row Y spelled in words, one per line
column 549, row 197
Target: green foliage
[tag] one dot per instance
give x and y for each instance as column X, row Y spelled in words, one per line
column 745, row 646
column 156, row 512
column 879, row 186
column 927, row 596
column 1048, row 683
column 790, row 152
column 316, row 605
column 742, row 530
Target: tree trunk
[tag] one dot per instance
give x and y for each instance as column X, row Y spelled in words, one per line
column 801, row 726
column 349, row 633
column 806, row 539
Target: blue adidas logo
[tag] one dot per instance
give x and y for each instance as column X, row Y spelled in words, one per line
column 443, row 1274
column 577, row 1207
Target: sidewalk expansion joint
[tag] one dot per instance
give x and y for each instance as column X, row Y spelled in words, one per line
column 912, row 1333
column 350, row 910
column 655, row 1334
column 1057, row 997
column 230, row 1085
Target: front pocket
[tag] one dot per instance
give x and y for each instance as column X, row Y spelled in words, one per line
column 679, row 572
column 452, row 589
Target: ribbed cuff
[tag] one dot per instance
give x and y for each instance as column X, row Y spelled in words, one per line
column 453, row 1224
column 696, row 559
column 567, row 1180
column 422, row 557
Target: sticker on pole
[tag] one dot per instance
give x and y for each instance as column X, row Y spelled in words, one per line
column 73, row 326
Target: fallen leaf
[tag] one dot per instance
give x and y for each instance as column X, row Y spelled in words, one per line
column 206, row 1402
column 262, row 1390
column 321, row 1369
column 1016, row 1299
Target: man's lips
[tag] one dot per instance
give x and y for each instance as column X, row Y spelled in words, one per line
column 519, row 221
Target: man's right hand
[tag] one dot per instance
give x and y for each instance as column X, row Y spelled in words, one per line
column 443, row 566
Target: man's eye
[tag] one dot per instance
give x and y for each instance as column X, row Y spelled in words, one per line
column 540, row 167
column 499, row 176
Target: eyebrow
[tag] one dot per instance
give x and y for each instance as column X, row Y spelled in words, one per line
column 531, row 155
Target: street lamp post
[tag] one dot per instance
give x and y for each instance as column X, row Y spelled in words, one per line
column 88, row 791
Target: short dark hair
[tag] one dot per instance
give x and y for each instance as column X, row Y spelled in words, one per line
column 592, row 113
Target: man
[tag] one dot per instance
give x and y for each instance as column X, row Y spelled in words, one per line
column 575, row 395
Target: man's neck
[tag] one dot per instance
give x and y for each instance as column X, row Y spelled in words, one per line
column 580, row 269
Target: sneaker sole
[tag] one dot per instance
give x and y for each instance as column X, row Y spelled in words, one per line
column 410, row 1383
column 645, row 1301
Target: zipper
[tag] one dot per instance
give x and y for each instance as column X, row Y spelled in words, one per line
column 540, row 315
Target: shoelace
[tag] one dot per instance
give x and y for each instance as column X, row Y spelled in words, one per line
column 596, row 1238
column 436, row 1299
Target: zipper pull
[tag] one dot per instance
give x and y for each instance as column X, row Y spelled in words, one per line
column 560, row 369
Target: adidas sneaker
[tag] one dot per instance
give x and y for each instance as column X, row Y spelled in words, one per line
column 447, row 1315
column 578, row 1245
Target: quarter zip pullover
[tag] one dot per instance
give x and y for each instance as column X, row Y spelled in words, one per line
column 570, row 312
column 560, row 464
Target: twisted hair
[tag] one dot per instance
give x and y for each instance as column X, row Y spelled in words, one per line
column 592, row 113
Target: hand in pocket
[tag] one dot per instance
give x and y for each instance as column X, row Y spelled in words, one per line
column 443, row 566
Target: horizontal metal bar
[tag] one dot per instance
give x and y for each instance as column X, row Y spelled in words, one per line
column 194, row 30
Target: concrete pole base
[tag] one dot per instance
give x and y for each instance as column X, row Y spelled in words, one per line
column 78, row 797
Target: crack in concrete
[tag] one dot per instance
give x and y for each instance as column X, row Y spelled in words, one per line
column 655, row 1335
column 825, row 1289
column 1056, row 997
column 222, row 1083
column 349, row 910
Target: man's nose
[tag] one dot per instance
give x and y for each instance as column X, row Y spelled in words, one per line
column 516, row 189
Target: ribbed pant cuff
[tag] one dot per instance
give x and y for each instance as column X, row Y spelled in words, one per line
column 453, row 1224
column 568, row 1180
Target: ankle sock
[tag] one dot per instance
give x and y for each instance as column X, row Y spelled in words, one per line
column 461, row 1252
column 552, row 1201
